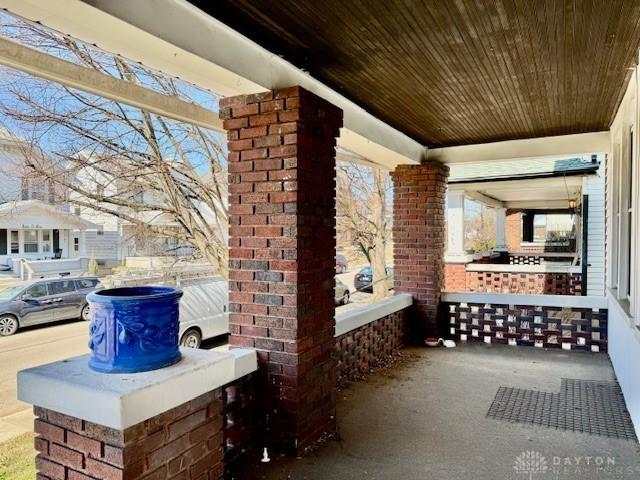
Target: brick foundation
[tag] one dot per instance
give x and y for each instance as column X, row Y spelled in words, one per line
column 370, row 346
column 418, row 233
column 282, row 255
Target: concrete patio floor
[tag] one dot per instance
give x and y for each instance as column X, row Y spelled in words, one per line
column 426, row 419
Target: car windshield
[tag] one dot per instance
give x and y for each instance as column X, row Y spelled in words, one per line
column 366, row 271
column 9, row 292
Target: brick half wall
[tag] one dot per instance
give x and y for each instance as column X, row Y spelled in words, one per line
column 197, row 440
column 370, row 346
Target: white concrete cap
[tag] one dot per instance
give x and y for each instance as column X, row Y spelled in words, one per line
column 352, row 319
column 122, row 400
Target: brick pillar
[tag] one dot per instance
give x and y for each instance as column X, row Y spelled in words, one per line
column 513, row 230
column 419, row 239
column 281, row 255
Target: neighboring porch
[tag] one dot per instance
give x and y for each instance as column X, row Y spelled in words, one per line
column 426, row 417
column 38, row 240
column 547, row 217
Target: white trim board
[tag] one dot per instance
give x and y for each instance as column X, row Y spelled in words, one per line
column 123, row 400
column 565, row 301
column 177, row 38
column 527, row 148
column 520, row 268
column 356, row 318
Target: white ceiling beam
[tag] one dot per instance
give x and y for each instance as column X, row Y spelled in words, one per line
column 88, row 80
column 521, row 185
column 558, row 146
column 538, row 204
column 180, row 40
column 485, row 199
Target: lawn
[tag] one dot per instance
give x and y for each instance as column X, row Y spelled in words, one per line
column 17, row 458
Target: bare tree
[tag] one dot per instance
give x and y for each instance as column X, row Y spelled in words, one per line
column 361, row 204
column 119, row 160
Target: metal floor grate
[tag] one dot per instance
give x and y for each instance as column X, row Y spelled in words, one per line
column 587, row 406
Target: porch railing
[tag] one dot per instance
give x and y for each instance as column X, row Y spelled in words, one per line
column 545, row 321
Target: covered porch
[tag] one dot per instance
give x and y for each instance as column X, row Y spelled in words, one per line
column 295, row 83
column 38, row 240
column 428, row 417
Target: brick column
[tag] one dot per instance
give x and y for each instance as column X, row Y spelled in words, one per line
column 281, row 255
column 419, row 239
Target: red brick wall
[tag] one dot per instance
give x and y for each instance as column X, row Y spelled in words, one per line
column 371, row 346
column 455, row 277
column 418, row 234
column 185, row 442
column 281, row 254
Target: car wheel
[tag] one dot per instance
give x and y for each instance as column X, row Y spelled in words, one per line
column 345, row 298
column 191, row 339
column 85, row 314
column 8, row 325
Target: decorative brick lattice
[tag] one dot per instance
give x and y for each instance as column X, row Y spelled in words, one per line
column 371, row 346
column 282, row 254
column 524, row 259
column 535, row 258
column 540, row 326
column 240, row 423
column 525, row 283
column 418, row 234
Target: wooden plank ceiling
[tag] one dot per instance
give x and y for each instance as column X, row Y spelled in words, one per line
column 461, row 71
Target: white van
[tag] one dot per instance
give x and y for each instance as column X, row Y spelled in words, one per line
column 203, row 311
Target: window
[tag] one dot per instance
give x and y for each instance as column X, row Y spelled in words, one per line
column 30, row 241
column 61, row 286
column 24, row 194
column 77, row 211
column 46, row 241
column 15, row 241
column 37, row 290
column 553, row 227
column 630, row 215
column 86, row 283
column 100, row 230
column 76, row 244
column 613, row 173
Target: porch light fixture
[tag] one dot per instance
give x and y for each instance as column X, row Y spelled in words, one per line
column 573, row 204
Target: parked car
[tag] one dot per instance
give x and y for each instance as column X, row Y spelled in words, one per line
column 203, row 311
column 341, row 293
column 341, row 264
column 363, row 281
column 43, row 301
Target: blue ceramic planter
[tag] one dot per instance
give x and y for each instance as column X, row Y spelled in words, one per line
column 134, row 329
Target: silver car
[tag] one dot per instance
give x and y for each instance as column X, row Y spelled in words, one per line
column 44, row 301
